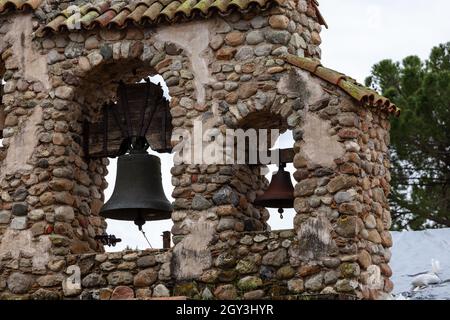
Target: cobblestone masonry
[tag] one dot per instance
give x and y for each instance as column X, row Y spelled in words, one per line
column 227, row 73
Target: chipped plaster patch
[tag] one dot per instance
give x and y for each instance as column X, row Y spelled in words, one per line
column 193, row 38
column 22, row 145
column 312, row 86
column 319, row 146
column 315, row 240
column 30, row 62
column 17, row 243
column 192, row 256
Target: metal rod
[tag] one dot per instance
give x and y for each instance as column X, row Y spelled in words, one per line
column 163, row 128
column 105, row 129
column 124, row 105
column 146, row 238
column 166, row 239
column 152, row 114
column 144, row 109
column 117, row 120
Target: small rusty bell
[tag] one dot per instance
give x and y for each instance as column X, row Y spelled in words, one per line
column 280, row 193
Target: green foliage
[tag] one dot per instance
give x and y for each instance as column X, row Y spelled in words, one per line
column 420, row 137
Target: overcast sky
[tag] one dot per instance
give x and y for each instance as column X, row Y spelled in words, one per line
column 361, row 33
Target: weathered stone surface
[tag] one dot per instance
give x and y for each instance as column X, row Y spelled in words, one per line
column 5, row 216
column 64, row 92
column 226, row 224
column 374, row 236
column 364, row 259
column 120, row 277
column 285, row 272
column 386, row 239
column 353, row 208
column 226, row 195
column 255, row 37
column 342, row 197
column 305, row 187
column 226, row 292
column 145, row 278
column 188, row 289
column 19, row 223
column 247, row 266
column 122, row 293
column 258, row 22
column 308, row 270
column 249, row 283
column 160, row 290
column 226, row 53
column 263, row 49
column 108, row 266
column 277, row 37
column 146, row 261
column 143, row 293
column 210, row 276
column 314, row 283
column 199, row 202
column 216, row 42
column 225, row 260
column 19, row 283
column 20, row 209
column 347, row 226
column 254, row 295
column 341, row 182
column 346, row 285
column 275, row 258
column 64, row 213
column 370, row 222
column 44, row 294
column 349, row 270
column 279, row 22
column 244, row 53
column 35, row 215
column 234, row 38
column 50, row 280
column 330, row 277
column 93, row 280
column 296, row 285
column 246, row 90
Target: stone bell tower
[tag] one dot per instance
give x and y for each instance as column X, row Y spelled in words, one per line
column 228, row 65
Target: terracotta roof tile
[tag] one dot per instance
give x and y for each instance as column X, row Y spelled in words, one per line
column 153, row 12
column 364, row 95
column 19, row 5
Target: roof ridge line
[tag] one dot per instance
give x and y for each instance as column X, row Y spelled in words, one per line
column 364, row 95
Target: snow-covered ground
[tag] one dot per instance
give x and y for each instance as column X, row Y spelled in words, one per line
column 412, row 254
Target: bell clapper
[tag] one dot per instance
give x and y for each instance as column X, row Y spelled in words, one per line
column 281, row 211
column 146, row 238
column 140, row 222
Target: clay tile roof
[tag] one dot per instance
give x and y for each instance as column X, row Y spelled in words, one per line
column 367, row 97
column 19, row 5
column 151, row 12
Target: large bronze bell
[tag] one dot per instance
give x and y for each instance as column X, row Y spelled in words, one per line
column 280, row 193
column 138, row 193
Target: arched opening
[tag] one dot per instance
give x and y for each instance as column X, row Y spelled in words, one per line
column 286, row 220
column 104, row 81
column 127, row 230
column 273, row 128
